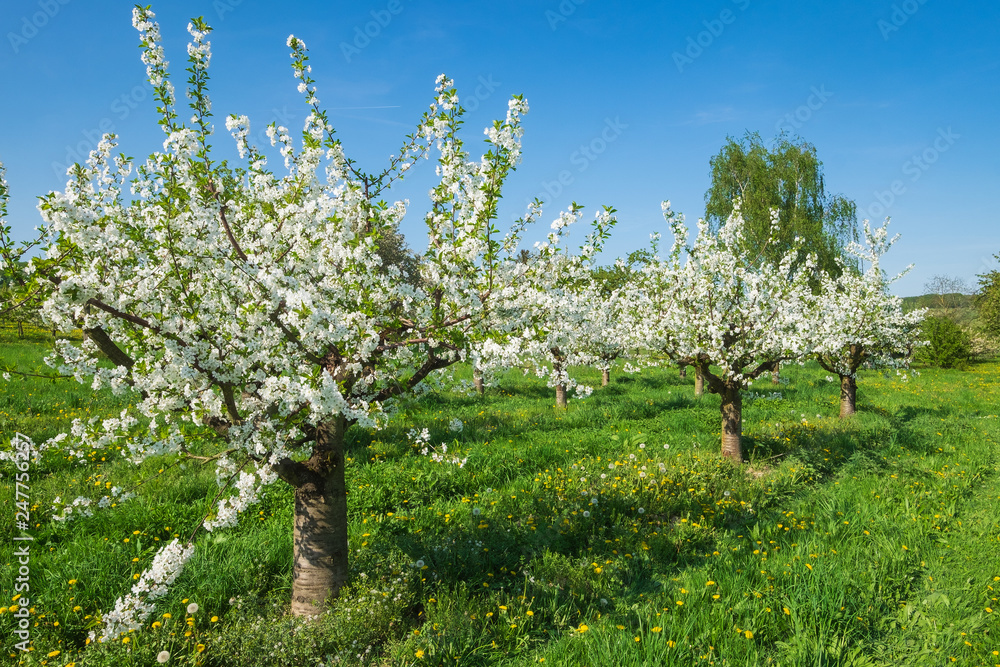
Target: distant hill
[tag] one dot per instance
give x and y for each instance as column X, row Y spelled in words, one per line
column 937, row 301
column 959, row 308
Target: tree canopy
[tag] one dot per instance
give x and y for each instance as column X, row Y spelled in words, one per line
column 787, row 177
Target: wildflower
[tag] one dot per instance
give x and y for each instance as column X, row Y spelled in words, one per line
column 642, row 510
column 656, row 629
column 215, row 619
column 192, row 608
column 162, row 657
column 748, row 634
column 529, row 613
column 582, row 628
column 586, row 514
column 419, row 653
column 419, row 564
column 476, row 511
column 52, row 654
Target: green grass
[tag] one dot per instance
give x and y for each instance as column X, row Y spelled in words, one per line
column 866, row 542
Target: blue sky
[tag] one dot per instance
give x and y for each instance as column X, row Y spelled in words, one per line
column 629, row 101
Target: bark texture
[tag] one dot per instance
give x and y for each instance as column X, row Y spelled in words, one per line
column 558, row 359
column 732, row 423
column 605, row 377
column 320, row 546
column 699, row 381
column 684, row 371
column 848, row 396
column 477, row 379
column 561, row 402
column 776, row 373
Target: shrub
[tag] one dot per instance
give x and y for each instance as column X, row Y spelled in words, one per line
column 948, row 346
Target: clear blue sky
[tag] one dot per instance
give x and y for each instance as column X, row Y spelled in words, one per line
column 895, row 96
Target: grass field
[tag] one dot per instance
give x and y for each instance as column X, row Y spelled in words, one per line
column 610, row 534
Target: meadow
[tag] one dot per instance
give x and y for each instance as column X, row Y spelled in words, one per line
column 612, row 533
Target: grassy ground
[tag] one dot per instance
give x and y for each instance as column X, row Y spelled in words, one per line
column 612, row 534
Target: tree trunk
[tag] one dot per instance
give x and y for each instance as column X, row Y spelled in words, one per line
column 557, row 367
column 776, row 373
column 605, row 377
column 848, row 396
column 321, row 550
column 684, row 370
column 732, row 423
column 699, row 381
column 20, row 329
column 477, row 380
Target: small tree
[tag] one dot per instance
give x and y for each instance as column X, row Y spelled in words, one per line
column 255, row 310
column 947, row 345
column 948, row 296
column 863, row 325
column 557, row 315
column 20, row 295
column 724, row 309
column 616, row 323
column 988, row 302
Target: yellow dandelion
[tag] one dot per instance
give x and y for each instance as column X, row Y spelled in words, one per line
column 748, row 634
column 656, row 629
column 419, row 653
